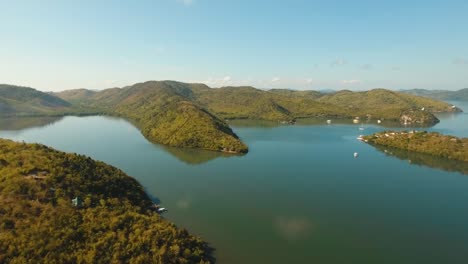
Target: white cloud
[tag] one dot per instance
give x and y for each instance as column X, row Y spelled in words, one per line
column 366, row 67
column 309, row 81
column 351, row 81
column 275, row 79
column 186, row 2
column 217, row 82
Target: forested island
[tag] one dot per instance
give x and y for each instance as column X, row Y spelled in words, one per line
column 192, row 115
column 432, row 143
column 58, row 207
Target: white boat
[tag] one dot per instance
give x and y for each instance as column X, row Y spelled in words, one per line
column 356, row 154
column 379, row 121
column 328, row 121
column 161, row 210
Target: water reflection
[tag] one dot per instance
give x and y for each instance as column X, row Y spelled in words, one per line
column 245, row 123
column 426, row 160
column 20, row 123
column 195, row 156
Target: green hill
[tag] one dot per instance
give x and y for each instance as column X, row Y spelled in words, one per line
column 17, row 100
column 113, row 222
column 460, row 95
column 389, row 105
column 76, row 95
column 252, row 103
column 166, row 113
column 309, row 94
column 433, row 143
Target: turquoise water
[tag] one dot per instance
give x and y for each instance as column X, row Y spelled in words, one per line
column 298, row 196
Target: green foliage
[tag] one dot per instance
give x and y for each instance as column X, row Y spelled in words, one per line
column 115, row 225
column 386, row 105
column 275, row 105
column 433, row 143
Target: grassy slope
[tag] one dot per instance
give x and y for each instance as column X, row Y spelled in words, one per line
column 251, row 103
column 25, row 101
column 385, row 104
column 166, row 113
column 16, row 100
column 38, row 224
column 436, row 144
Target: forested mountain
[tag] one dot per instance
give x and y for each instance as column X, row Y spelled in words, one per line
column 111, row 220
column 17, row 100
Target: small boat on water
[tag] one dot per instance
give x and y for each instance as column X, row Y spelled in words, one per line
column 158, row 208
column 328, row 121
column 161, row 210
column 356, row 154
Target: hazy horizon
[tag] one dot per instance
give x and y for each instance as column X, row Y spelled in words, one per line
column 303, row 45
column 246, row 85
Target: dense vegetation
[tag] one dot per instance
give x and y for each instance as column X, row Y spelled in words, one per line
column 432, row 143
column 251, row 103
column 114, row 223
column 460, row 95
column 389, row 105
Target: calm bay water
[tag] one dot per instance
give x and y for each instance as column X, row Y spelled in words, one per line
column 298, row 196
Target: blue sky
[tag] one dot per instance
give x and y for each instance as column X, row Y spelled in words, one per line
column 356, row 45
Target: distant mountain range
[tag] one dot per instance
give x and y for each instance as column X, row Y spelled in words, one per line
column 28, row 101
column 194, row 115
column 460, row 95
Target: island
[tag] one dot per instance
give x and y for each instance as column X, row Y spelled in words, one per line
column 58, row 207
column 193, row 115
column 433, row 143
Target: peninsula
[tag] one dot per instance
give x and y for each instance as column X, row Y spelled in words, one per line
column 58, row 207
column 432, row 143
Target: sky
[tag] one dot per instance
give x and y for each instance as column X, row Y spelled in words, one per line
column 56, row 45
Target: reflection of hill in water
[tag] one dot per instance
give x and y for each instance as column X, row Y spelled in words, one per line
column 196, row 156
column 19, row 123
column 246, row 123
column 426, row 160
